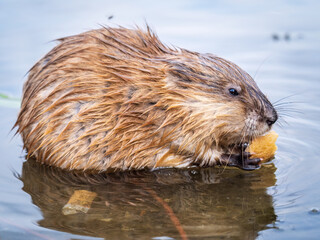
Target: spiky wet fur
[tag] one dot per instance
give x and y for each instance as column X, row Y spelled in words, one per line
column 120, row 99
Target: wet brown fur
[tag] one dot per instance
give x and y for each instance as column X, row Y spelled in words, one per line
column 116, row 98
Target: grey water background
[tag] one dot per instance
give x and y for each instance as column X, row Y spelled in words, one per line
column 277, row 42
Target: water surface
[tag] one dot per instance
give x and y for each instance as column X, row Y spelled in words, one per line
column 277, row 43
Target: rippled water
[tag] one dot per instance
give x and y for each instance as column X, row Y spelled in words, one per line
column 277, row 43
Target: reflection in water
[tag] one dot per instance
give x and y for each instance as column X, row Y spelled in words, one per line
column 209, row 202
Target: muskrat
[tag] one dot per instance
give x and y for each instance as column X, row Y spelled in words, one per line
column 120, row 99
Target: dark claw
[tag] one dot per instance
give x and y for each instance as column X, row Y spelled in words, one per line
column 254, row 161
column 242, row 161
column 246, row 155
column 244, row 146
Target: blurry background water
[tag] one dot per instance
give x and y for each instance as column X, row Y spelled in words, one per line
column 276, row 42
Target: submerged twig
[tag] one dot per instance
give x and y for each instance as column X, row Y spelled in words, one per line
column 170, row 212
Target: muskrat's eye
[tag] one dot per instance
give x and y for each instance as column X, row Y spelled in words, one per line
column 233, row 92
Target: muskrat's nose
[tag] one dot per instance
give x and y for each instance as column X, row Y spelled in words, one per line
column 272, row 118
column 271, row 121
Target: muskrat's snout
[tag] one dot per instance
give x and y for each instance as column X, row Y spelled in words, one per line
column 271, row 116
column 260, row 117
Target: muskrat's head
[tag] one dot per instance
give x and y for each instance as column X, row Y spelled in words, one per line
column 224, row 106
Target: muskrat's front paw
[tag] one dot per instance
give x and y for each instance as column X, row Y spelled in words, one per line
column 242, row 161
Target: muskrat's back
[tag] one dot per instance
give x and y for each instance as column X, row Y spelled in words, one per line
column 120, row 99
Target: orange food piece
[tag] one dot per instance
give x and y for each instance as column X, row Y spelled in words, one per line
column 264, row 147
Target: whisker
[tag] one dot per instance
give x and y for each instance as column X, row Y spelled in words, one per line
column 281, row 121
column 288, row 111
column 287, row 115
column 243, row 133
column 234, row 146
column 258, row 69
column 245, row 128
column 287, row 108
column 287, row 103
column 289, row 96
